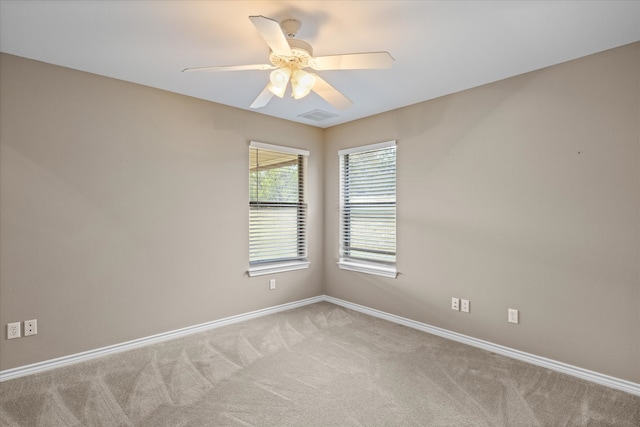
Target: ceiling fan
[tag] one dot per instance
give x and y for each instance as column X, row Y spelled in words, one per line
column 289, row 57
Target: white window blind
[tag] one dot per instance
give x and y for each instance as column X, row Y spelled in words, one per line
column 368, row 209
column 277, row 207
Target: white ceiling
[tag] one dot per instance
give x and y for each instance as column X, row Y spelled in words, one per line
column 440, row 47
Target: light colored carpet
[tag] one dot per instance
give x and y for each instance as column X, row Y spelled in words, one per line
column 319, row 365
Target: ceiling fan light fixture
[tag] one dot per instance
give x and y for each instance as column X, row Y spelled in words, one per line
column 279, row 79
column 277, row 91
column 301, row 84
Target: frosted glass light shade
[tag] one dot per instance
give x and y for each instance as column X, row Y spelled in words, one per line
column 277, row 91
column 280, row 77
column 302, row 83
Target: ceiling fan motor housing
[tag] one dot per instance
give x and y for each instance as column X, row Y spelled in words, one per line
column 301, row 54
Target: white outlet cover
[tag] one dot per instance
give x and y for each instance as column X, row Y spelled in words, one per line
column 455, row 304
column 13, row 330
column 465, row 305
column 30, row 327
column 513, row 316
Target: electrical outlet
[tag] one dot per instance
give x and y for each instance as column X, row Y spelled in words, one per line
column 30, row 327
column 272, row 284
column 455, row 304
column 13, row 330
column 465, row 305
column 513, row 315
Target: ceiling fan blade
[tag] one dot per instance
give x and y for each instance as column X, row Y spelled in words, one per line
column 231, row 68
column 354, row 61
column 272, row 33
column 330, row 94
column 262, row 99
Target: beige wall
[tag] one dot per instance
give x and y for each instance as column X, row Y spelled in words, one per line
column 124, row 210
column 524, row 193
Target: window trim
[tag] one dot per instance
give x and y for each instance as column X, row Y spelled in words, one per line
column 370, row 147
column 353, row 264
column 276, row 267
column 280, row 148
column 368, row 267
column 263, row 268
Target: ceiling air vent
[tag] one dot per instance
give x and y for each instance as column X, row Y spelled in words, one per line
column 318, row 115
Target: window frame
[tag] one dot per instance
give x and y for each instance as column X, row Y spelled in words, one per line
column 258, row 268
column 345, row 261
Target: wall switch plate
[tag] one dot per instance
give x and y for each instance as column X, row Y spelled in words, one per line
column 465, row 305
column 30, row 327
column 455, row 304
column 513, row 315
column 272, row 284
column 13, row 330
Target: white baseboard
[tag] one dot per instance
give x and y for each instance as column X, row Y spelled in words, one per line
column 575, row 371
column 616, row 383
column 46, row 365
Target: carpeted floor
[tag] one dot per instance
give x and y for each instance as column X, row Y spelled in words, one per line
column 319, row 365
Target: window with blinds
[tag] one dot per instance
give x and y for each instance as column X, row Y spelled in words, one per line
column 368, row 209
column 277, row 209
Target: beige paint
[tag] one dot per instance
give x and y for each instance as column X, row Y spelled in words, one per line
column 124, row 210
column 524, row 193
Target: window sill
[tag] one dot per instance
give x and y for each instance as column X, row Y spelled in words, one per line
column 279, row 267
column 369, row 268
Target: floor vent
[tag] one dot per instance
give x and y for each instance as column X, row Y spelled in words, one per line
column 318, row 115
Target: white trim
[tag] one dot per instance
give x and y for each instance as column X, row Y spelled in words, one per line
column 369, row 268
column 585, row 374
column 46, row 365
column 370, row 147
column 595, row 377
column 280, row 148
column 276, row 267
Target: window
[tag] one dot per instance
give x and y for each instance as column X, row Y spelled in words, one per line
column 368, row 209
column 277, row 209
